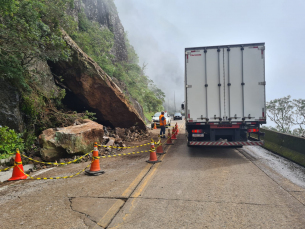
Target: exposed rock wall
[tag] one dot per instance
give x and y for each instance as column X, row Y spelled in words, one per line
column 105, row 13
column 44, row 78
column 109, row 102
column 10, row 114
column 94, row 88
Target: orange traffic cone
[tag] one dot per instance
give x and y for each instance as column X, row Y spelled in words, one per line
column 177, row 128
column 18, row 172
column 152, row 144
column 169, row 140
column 159, row 148
column 155, row 126
column 95, row 169
column 173, row 134
column 153, row 156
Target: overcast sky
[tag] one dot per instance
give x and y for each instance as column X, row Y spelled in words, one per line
column 159, row 30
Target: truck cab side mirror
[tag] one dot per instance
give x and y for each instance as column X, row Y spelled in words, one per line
column 182, row 106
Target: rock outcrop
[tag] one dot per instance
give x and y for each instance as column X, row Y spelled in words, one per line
column 78, row 139
column 105, row 13
column 10, row 114
column 93, row 88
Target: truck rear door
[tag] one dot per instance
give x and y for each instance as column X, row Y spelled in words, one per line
column 226, row 82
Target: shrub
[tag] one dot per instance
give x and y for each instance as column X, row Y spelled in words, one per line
column 9, row 142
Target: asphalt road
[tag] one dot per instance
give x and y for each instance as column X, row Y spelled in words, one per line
column 190, row 188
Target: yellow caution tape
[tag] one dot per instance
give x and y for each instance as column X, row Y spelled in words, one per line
column 124, row 154
column 7, row 168
column 94, row 158
column 54, row 163
column 54, row 178
column 126, row 147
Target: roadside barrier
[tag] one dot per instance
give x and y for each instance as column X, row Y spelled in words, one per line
column 153, row 156
column 54, row 178
column 126, row 147
column 55, row 163
column 19, row 174
column 124, row 154
column 95, row 169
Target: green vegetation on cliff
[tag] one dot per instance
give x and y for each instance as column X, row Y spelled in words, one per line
column 30, row 32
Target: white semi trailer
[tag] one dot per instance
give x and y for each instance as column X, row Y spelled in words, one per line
column 225, row 94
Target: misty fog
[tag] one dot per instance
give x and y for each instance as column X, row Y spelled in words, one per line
column 160, row 30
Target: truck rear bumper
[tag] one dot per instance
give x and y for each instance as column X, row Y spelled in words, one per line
column 209, row 143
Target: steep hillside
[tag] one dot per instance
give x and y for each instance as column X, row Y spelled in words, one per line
column 35, row 97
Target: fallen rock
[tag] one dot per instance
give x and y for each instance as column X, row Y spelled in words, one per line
column 79, row 139
column 121, row 132
column 92, row 87
column 110, row 142
column 118, row 140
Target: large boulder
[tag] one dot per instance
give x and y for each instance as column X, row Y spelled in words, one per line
column 136, row 105
column 93, row 88
column 78, row 139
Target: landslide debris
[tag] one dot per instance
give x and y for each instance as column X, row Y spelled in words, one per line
column 57, row 143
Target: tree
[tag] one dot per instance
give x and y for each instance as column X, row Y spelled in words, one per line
column 287, row 114
column 281, row 112
column 299, row 119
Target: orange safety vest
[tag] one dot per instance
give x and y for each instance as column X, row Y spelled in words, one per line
column 162, row 123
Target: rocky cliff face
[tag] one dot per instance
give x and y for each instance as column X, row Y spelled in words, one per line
column 88, row 87
column 105, row 13
column 10, row 114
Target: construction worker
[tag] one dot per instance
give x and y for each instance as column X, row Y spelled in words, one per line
column 162, row 121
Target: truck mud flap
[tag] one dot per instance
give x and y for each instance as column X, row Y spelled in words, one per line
column 253, row 143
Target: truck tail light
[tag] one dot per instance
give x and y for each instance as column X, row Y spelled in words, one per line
column 197, row 131
column 252, row 130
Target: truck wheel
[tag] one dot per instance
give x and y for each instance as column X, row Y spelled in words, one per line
column 152, row 125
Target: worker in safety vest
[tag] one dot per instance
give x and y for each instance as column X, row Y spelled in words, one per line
column 162, row 121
